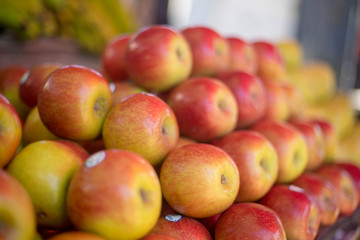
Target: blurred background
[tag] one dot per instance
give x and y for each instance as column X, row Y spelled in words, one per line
column 76, row 31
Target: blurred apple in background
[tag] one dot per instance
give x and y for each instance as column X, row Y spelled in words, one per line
column 348, row 147
column 297, row 211
column 205, row 108
column 158, row 58
column 354, row 172
column 249, row 221
column 324, row 194
column 72, row 235
column 74, row 102
column 51, row 165
column 115, row 194
column 250, row 95
column 17, row 214
column 294, row 100
column 256, row 160
column 10, row 131
column 182, row 227
column 345, row 187
column 290, row 146
column 291, row 52
column 199, row 180
column 210, row 51
column 9, row 86
column 242, row 56
column 120, row 90
column 113, row 58
column 144, row 124
column 33, row 81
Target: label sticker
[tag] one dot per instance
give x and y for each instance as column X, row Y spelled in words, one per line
column 24, row 77
column 173, row 217
column 95, row 159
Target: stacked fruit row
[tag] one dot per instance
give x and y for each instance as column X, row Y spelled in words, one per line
column 184, row 135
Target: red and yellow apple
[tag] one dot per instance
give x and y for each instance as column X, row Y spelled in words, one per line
column 242, row 56
column 354, row 172
column 120, row 90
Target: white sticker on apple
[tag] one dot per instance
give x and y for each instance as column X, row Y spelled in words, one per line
column 24, row 77
column 173, row 217
column 95, row 159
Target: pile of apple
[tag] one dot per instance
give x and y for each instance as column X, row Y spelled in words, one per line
column 184, row 135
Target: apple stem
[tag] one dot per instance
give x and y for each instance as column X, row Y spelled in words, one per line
column 223, row 179
column 144, row 196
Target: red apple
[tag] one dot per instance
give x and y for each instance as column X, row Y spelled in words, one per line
column 324, row 194
column 256, row 160
column 182, row 227
column 249, row 221
column 115, row 194
column 113, row 58
column 290, row 146
column 10, row 131
column 204, row 107
column 345, row 187
column 242, row 56
column 159, row 236
column 34, row 80
column 354, row 172
column 144, row 124
column 120, row 90
column 296, row 209
column 210, row 223
column 294, row 99
column 199, row 180
column 72, row 235
column 210, row 51
column 74, row 102
column 158, row 58
column 250, row 95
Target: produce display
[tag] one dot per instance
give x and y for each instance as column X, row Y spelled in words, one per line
column 184, row 134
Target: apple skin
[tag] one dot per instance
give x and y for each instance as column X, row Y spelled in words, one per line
column 120, row 90
column 270, row 63
column 144, row 124
column 17, row 214
column 323, row 193
column 158, row 236
column 249, row 221
column 10, row 131
column 256, row 160
column 297, row 210
column 290, row 146
column 115, row 194
column 9, row 86
column 314, row 142
column 210, row 223
column 74, row 102
column 295, row 102
column 204, row 107
column 250, row 95
column 113, row 59
column 34, row 80
column 182, row 227
column 72, row 235
column 291, row 52
column 344, row 185
column 210, row 51
column 53, row 169
column 354, row 171
column 199, row 180
column 158, row 58
column 242, row 56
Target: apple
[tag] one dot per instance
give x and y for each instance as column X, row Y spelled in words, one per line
column 290, row 147
column 34, row 80
column 210, row 223
column 158, row 58
column 113, row 58
column 291, row 52
column 242, row 56
column 10, row 131
column 115, row 194
column 45, row 169
column 256, row 160
column 314, row 142
column 182, row 227
column 354, row 172
column 210, row 51
column 270, row 62
column 9, row 86
column 74, row 102
column 199, row 180
column 158, row 236
column 184, row 141
column 120, row 90
column 17, row 214
column 324, row 195
column 34, row 129
column 72, row 235
column 295, row 102
column 344, row 185
column 144, row 124
column 204, row 107
column 250, row 95
column 297, row 211
column 249, row 221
